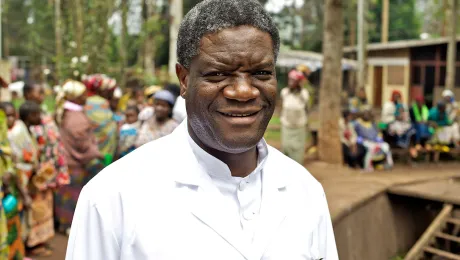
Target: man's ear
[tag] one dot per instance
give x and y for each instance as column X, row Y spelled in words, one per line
column 182, row 74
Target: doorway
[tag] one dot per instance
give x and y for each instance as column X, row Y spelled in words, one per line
column 378, row 86
column 429, row 84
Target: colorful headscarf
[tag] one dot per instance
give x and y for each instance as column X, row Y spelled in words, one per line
column 296, row 75
column 70, row 90
column 394, row 94
column 97, row 82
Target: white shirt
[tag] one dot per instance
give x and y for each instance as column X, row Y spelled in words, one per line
column 160, row 203
column 243, row 195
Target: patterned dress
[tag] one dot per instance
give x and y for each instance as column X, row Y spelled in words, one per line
column 5, row 165
column 105, row 128
column 152, row 130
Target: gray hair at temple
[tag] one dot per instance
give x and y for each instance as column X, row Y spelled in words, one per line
column 211, row 16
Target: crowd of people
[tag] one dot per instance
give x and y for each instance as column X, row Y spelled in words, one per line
column 47, row 158
column 367, row 142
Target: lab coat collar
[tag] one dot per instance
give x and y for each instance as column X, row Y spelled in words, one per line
column 205, row 199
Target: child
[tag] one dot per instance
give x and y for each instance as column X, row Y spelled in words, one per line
column 129, row 131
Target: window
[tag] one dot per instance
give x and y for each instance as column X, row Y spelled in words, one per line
column 395, row 75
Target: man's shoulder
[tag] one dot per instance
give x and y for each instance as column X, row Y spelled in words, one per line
column 149, row 163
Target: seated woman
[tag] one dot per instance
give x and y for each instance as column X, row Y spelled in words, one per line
column 401, row 130
column 353, row 152
column 419, row 117
column 161, row 124
column 446, row 132
column 376, row 149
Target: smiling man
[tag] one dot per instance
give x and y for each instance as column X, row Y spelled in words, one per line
column 213, row 189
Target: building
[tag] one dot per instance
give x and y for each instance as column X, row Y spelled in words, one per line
column 414, row 67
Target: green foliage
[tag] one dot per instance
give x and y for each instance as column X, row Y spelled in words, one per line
column 404, row 20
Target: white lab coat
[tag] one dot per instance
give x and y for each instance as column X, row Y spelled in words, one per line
column 157, row 203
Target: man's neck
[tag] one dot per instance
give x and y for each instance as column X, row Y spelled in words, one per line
column 240, row 164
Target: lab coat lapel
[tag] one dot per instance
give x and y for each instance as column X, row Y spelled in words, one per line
column 273, row 209
column 207, row 207
column 203, row 198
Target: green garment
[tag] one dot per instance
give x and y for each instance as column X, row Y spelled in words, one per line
column 436, row 117
column 423, row 116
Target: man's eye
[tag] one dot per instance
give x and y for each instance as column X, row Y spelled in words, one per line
column 263, row 73
column 216, row 74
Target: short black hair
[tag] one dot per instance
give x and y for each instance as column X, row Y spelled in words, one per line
column 211, row 16
column 345, row 113
column 5, row 105
column 135, row 108
column 173, row 88
column 28, row 108
column 27, row 89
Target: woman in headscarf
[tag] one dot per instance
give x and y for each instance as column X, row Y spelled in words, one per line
column 36, row 177
column 391, row 108
column 294, row 100
column 358, row 104
column 81, row 149
column 147, row 110
column 162, row 123
column 446, row 132
column 11, row 190
column 100, row 87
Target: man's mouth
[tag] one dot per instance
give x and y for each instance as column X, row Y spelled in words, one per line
column 239, row 114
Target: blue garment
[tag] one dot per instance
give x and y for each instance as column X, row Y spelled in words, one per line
column 422, row 132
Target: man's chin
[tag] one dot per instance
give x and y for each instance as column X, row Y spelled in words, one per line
column 237, row 143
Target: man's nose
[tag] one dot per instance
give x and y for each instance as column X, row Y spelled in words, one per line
column 241, row 90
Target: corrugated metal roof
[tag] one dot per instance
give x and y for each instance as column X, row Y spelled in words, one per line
column 400, row 44
column 313, row 60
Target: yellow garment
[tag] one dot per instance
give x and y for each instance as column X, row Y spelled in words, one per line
column 123, row 103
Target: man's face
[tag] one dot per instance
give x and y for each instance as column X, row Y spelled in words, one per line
column 230, row 89
column 293, row 83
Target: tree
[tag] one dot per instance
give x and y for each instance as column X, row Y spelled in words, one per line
column 452, row 49
column 58, row 33
column 330, row 149
column 176, row 12
column 405, row 20
column 123, row 38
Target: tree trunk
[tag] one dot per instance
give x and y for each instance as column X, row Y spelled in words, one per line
column 149, row 48
column 385, row 20
column 330, row 148
column 362, row 43
column 123, row 36
column 176, row 13
column 452, row 49
column 79, row 29
column 58, row 35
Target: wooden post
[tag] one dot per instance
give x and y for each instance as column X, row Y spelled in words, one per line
column 385, row 20
column 176, row 13
column 362, row 43
column 452, row 49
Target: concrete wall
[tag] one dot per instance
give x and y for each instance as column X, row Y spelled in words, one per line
column 382, row 228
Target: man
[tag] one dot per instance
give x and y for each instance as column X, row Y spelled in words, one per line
column 212, row 189
column 294, row 117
